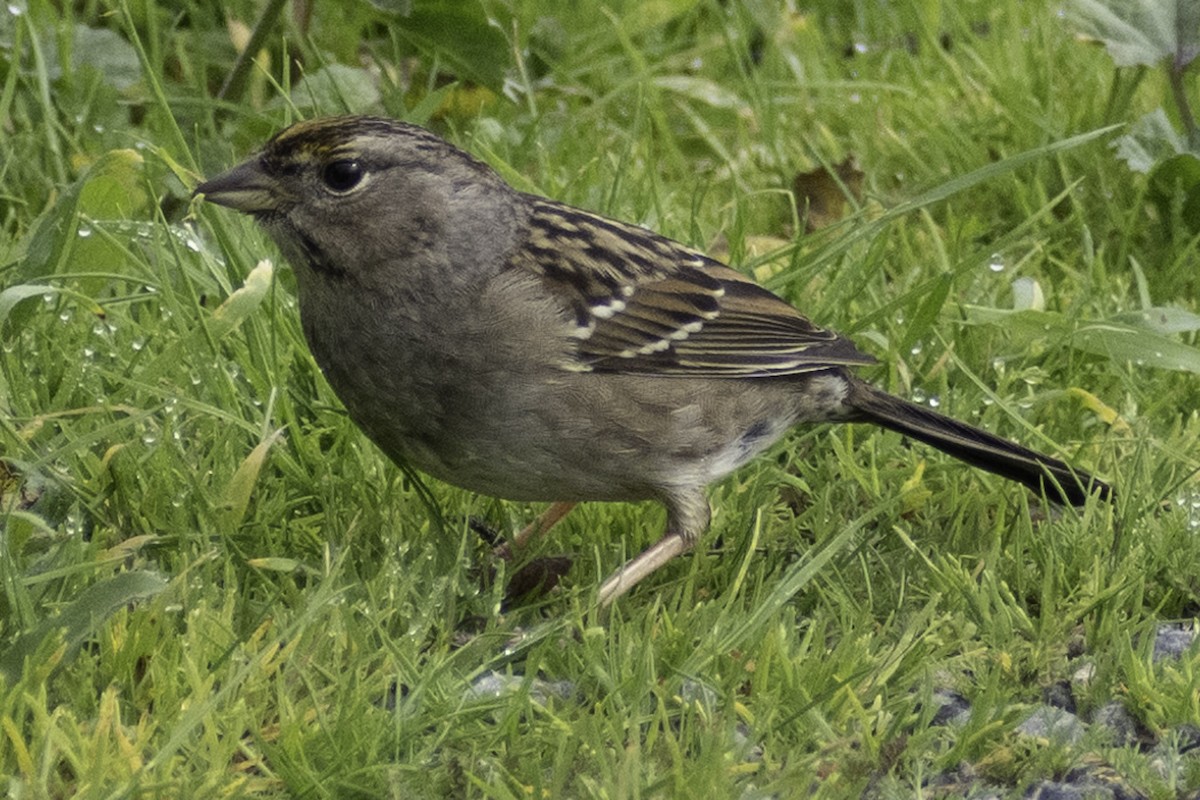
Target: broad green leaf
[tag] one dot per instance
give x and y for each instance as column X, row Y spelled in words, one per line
column 1144, row 32
column 459, row 33
column 54, row 235
column 13, row 295
column 83, row 616
column 117, row 191
column 337, row 89
column 1160, row 320
column 1026, row 325
column 1136, row 345
column 1175, row 177
column 1114, row 340
column 105, row 51
column 1150, row 140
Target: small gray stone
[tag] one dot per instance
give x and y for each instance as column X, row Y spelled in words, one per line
column 1047, row 722
column 952, row 708
column 1120, row 725
column 1172, row 641
column 1054, row 790
column 1059, row 695
column 491, row 685
column 693, row 691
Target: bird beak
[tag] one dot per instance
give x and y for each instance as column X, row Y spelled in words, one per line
column 246, row 188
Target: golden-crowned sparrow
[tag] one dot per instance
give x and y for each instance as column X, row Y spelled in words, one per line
column 525, row 349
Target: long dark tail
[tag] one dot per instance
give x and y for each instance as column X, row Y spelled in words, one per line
column 1039, row 472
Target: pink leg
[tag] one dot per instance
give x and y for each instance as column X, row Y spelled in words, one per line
column 545, row 521
column 640, row 567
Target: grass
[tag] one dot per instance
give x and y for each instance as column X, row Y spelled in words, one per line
column 304, row 619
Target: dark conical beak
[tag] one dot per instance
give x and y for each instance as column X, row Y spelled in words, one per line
column 246, row 188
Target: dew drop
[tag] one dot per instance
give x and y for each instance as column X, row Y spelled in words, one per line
column 934, row 401
column 15, row 10
column 84, row 232
column 996, row 263
column 137, row 344
column 149, row 437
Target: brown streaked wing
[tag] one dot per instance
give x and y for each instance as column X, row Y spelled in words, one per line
column 644, row 303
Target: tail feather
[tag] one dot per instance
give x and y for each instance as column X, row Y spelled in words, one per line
column 981, row 449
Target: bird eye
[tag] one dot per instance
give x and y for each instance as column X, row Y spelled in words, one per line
column 342, row 176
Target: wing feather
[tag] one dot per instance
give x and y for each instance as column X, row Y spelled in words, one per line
column 646, row 304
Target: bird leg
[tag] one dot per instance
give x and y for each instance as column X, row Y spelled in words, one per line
column 640, row 567
column 545, row 521
column 688, row 515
